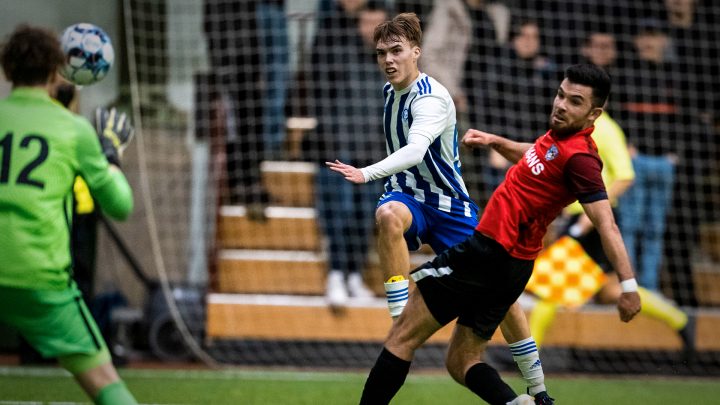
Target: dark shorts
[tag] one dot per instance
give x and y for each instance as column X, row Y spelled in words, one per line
column 475, row 281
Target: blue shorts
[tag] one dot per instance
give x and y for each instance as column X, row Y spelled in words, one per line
column 438, row 229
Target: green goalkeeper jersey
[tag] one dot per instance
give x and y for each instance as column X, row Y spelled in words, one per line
column 43, row 147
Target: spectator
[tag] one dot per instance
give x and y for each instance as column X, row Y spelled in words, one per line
column 421, row 8
column 600, row 49
column 515, row 89
column 236, row 86
column 349, row 111
column 649, row 110
column 273, row 36
column 467, row 25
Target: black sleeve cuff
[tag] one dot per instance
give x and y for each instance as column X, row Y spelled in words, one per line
column 592, row 197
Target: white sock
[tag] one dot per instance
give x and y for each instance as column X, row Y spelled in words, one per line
column 525, row 354
column 397, row 296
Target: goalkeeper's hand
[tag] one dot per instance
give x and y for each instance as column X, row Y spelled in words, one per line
column 115, row 132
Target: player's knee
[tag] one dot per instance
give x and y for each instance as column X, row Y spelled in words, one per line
column 389, row 220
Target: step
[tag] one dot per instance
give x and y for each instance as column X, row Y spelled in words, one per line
column 289, row 183
column 285, row 228
column 706, row 278
column 271, row 272
column 287, row 272
column 282, row 317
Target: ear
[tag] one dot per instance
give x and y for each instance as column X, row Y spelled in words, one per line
column 417, row 52
column 595, row 113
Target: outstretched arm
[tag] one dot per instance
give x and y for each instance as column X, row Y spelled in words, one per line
column 404, row 158
column 510, row 150
column 602, row 218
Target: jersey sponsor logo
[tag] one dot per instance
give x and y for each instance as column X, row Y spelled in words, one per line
column 551, row 153
column 533, row 161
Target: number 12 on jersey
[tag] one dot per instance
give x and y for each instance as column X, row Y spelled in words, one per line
column 24, row 175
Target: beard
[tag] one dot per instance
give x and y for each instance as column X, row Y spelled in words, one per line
column 565, row 129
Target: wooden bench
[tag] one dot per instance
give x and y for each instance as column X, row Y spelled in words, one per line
column 277, row 317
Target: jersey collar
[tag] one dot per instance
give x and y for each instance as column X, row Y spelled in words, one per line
column 414, row 82
column 30, row 92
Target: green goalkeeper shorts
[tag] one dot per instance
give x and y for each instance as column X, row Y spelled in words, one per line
column 55, row 323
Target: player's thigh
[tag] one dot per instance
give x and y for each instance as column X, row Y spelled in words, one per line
column 56, row 323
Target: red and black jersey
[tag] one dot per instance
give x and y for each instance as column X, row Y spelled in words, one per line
column 553, row 173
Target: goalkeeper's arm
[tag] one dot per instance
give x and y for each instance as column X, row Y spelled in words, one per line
column 114, row 131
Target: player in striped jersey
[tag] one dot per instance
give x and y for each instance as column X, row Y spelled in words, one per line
column 425, row 199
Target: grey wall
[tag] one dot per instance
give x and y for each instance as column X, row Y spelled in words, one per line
column 58, row 14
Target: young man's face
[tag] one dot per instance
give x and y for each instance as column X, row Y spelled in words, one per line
column 398, row 61
column 572, row 108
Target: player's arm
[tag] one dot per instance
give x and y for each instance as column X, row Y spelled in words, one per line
column 583, row 224
column 510, row 150
column 583, row 178
column 602, row 218
column 107, row 183
column 404, row 158
column 429, row 121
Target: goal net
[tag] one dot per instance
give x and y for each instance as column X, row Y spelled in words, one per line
column 240, row 103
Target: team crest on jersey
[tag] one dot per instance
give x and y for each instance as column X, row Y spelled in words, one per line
column 551, row 153
column 405, row 114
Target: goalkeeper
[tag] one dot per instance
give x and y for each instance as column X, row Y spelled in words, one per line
column 44, row 147
column 618, row 176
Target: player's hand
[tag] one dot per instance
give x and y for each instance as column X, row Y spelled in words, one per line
column 115, row 132
column 628, row 305
column 474, row 138
column 351, row 173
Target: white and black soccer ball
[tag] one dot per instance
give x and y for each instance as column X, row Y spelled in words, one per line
column 89, row 54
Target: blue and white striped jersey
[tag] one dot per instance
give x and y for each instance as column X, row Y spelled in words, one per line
column 425, row 108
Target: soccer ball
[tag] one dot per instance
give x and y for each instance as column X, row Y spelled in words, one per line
column 88, row 53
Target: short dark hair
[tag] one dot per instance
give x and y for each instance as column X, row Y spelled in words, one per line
column 405, row 25
column 31, row 56
column 592, row 76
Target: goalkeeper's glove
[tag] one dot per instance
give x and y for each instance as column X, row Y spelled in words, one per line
column 115, row 132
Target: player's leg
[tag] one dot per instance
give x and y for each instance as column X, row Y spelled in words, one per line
column 516, row 331
column 98, row 378
column 59, row 324
column 464, row 362
column 450, row 230
column 541, row 317
column 656, row 306
column 411, row 329
column 394, row 218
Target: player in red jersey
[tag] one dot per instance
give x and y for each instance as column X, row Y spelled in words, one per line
column 477, row 280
